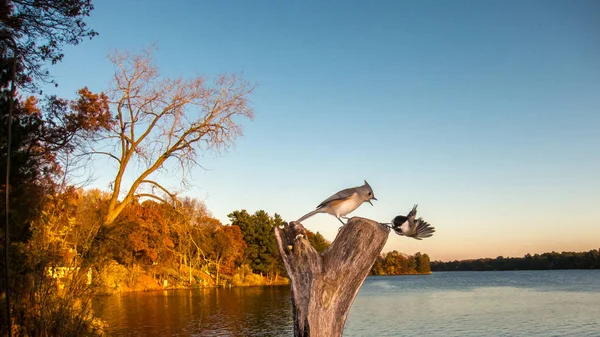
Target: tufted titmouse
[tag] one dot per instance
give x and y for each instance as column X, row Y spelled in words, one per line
column 407, row 225
column 344, row 202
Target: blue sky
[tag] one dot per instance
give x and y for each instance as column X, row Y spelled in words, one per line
column 485, row 113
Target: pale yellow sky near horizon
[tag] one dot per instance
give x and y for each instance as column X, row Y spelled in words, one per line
column 472, row 238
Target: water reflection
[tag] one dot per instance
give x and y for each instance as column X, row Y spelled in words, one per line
column 253, row 311
column 543, row 303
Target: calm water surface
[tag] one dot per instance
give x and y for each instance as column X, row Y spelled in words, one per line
column 514, row 303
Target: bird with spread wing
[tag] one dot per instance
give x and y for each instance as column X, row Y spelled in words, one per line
column 417, row 229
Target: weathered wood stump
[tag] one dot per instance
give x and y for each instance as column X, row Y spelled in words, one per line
column 324, row 285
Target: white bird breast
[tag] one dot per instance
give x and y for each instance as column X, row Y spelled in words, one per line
column 349, row 205
column 405, row 227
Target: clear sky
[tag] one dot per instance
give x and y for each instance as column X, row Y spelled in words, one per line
column 485, row 113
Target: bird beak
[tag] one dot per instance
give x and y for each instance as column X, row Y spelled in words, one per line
column 371, row 202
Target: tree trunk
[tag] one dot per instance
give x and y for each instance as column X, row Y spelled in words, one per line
column 217, row 268
column 185, row 263
column 324, row 285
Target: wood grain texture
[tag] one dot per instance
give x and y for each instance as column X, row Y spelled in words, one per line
column 324, row 285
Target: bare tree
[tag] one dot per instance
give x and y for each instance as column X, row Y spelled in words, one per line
column 160, row 121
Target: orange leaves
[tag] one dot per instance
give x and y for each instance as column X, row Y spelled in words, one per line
column 225, row 248
column 92, row 111
column 137, row 241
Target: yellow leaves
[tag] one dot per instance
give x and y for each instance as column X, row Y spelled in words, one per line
column 30, row 107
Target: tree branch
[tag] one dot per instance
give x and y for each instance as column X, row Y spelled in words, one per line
column 103, row 153
column 148, row 195
column 152, row 182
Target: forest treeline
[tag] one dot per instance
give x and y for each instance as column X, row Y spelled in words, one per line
column 552, row 260
column 395, row 263
column 153, row 244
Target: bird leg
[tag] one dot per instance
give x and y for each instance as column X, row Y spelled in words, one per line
column 343, row 223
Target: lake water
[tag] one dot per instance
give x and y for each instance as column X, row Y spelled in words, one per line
column 504, row 303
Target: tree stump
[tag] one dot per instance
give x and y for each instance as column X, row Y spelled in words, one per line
column 324, row 285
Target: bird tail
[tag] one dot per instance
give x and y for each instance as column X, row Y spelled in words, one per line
column 318, row 210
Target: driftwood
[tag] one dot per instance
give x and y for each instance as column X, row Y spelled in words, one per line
column 324, row 285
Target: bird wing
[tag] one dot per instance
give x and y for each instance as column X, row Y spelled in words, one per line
column 423, row 229
column 413, row 213
column 341, row 195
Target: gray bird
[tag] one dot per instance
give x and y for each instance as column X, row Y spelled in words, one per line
column 344, row 202
column 409, row 226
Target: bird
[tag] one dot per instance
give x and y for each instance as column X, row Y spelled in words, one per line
column 417, row 229
column 344, row 202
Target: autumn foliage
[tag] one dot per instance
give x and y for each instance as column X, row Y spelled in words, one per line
column 157, row 243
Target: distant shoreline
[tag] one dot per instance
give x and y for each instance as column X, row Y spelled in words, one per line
column 411, row 274
column 545, row 261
